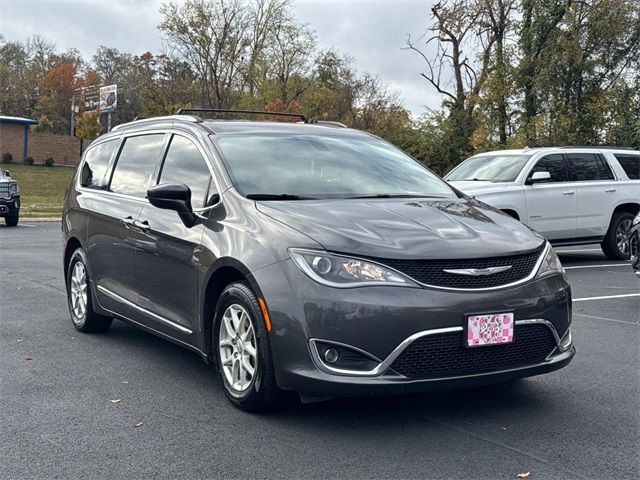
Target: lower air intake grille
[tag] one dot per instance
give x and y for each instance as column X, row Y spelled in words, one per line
column 445, row 355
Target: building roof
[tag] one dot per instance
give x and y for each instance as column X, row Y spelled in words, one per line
column 18, row 120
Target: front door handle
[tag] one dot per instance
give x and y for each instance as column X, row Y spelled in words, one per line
column 144, row 225
column 128, row 221
column 610, row 190
column 569, row 192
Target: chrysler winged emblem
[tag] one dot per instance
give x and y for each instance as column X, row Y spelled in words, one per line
column 479, row 272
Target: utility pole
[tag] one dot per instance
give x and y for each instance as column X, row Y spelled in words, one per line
column 73, row 110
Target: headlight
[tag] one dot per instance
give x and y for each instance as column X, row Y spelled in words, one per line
column 551, row 263
column 344, row 272
column 14, row 189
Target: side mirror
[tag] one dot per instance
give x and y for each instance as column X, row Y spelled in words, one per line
column 173, row 196
column 539, row 177
column 7, row 173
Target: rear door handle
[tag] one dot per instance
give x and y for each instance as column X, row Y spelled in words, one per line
column 610, row 190
column 144, row 225
column 569, row 192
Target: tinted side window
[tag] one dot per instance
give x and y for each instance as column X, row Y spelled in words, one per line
column 554, row 164
column 136, row 164
column 605, row 169
column 630, row 164
column 584, row 167
column 96, row 164
column 184, row 164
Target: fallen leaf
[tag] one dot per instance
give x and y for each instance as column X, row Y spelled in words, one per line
column 117, row 400
column 28, row 357
column 523, row 474
column 139, row 424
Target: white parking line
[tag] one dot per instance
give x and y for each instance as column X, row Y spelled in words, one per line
column 606, row 297
column 596, row 266
column 604, row 318
column 581, row 250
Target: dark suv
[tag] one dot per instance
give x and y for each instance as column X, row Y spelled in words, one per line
column 9, row 199
column 307, row 258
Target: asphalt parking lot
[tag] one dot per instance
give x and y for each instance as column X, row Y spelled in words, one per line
column 57, row 421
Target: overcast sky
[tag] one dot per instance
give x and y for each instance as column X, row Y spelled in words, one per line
column 372, row 32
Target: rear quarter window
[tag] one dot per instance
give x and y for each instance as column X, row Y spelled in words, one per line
column 96, row 165
column 630, row 164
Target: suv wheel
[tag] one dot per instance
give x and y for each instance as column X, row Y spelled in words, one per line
column 79, row 297
column 243, row 353
column 11, row 220
column 616, row 242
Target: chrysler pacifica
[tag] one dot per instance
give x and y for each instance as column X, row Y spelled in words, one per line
column 307, row 258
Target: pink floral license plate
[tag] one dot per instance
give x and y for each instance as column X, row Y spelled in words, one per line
column 489, row 329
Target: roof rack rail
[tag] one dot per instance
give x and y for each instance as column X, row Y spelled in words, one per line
column 330, row 123
column 250, row 112
column 606, row 147
column 139, row 120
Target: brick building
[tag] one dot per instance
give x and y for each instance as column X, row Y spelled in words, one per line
column 19, row 141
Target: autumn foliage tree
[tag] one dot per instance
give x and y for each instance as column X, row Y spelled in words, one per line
column 58, row 87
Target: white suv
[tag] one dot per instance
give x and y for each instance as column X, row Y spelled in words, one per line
column 571, row 195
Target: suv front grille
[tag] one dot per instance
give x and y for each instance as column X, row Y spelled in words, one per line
column 5, row 188
column 446, row 356
column 432, row 272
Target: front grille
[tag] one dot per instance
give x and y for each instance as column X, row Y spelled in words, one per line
column 4, row 190
column 446, row 356
column 431, row 272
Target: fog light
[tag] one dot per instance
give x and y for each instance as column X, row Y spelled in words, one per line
column 331, row 355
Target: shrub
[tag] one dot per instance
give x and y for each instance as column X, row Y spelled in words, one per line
column 49, row 162
column 7, row 158
column 28, row 161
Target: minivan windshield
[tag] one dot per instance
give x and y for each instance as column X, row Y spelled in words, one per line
column 295, row 167
column 499, row 167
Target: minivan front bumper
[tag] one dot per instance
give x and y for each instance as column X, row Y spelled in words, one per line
column 381, row 322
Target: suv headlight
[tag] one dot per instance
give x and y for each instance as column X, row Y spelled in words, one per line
column 345, row 272
column 551, row 263
column 14, row 189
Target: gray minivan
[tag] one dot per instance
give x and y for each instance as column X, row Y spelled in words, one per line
column 307, row 258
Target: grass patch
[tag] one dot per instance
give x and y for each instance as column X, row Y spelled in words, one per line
column 41, row 188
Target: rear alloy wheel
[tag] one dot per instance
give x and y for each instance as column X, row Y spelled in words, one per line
column 616, row 242
column 79, row 297
column 243, row 352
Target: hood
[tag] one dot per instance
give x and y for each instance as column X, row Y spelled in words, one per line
column 471, row 187
column 405, row 229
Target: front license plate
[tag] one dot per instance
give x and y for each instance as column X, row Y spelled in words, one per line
column 489, row 329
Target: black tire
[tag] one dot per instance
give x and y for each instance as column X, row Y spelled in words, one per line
column 89, row 321
column 262, row 393
column 610, row 243
column 12, row 220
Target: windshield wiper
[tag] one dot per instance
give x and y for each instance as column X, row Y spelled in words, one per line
column 277, row 196
column 395, row 195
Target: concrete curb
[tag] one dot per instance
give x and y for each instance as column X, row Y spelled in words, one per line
column 40, row 219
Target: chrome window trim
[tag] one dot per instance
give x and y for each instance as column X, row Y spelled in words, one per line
column 120, row 299
column 123, row 136
column 384, row 365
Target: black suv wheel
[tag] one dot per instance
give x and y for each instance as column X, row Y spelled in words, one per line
column 616, row 242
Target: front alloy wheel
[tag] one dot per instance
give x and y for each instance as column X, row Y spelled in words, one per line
column 243, row 352
column 238, row 348
column 78, row 292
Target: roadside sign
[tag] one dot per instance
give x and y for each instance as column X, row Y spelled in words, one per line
column 91, row 98
column 108, row 98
